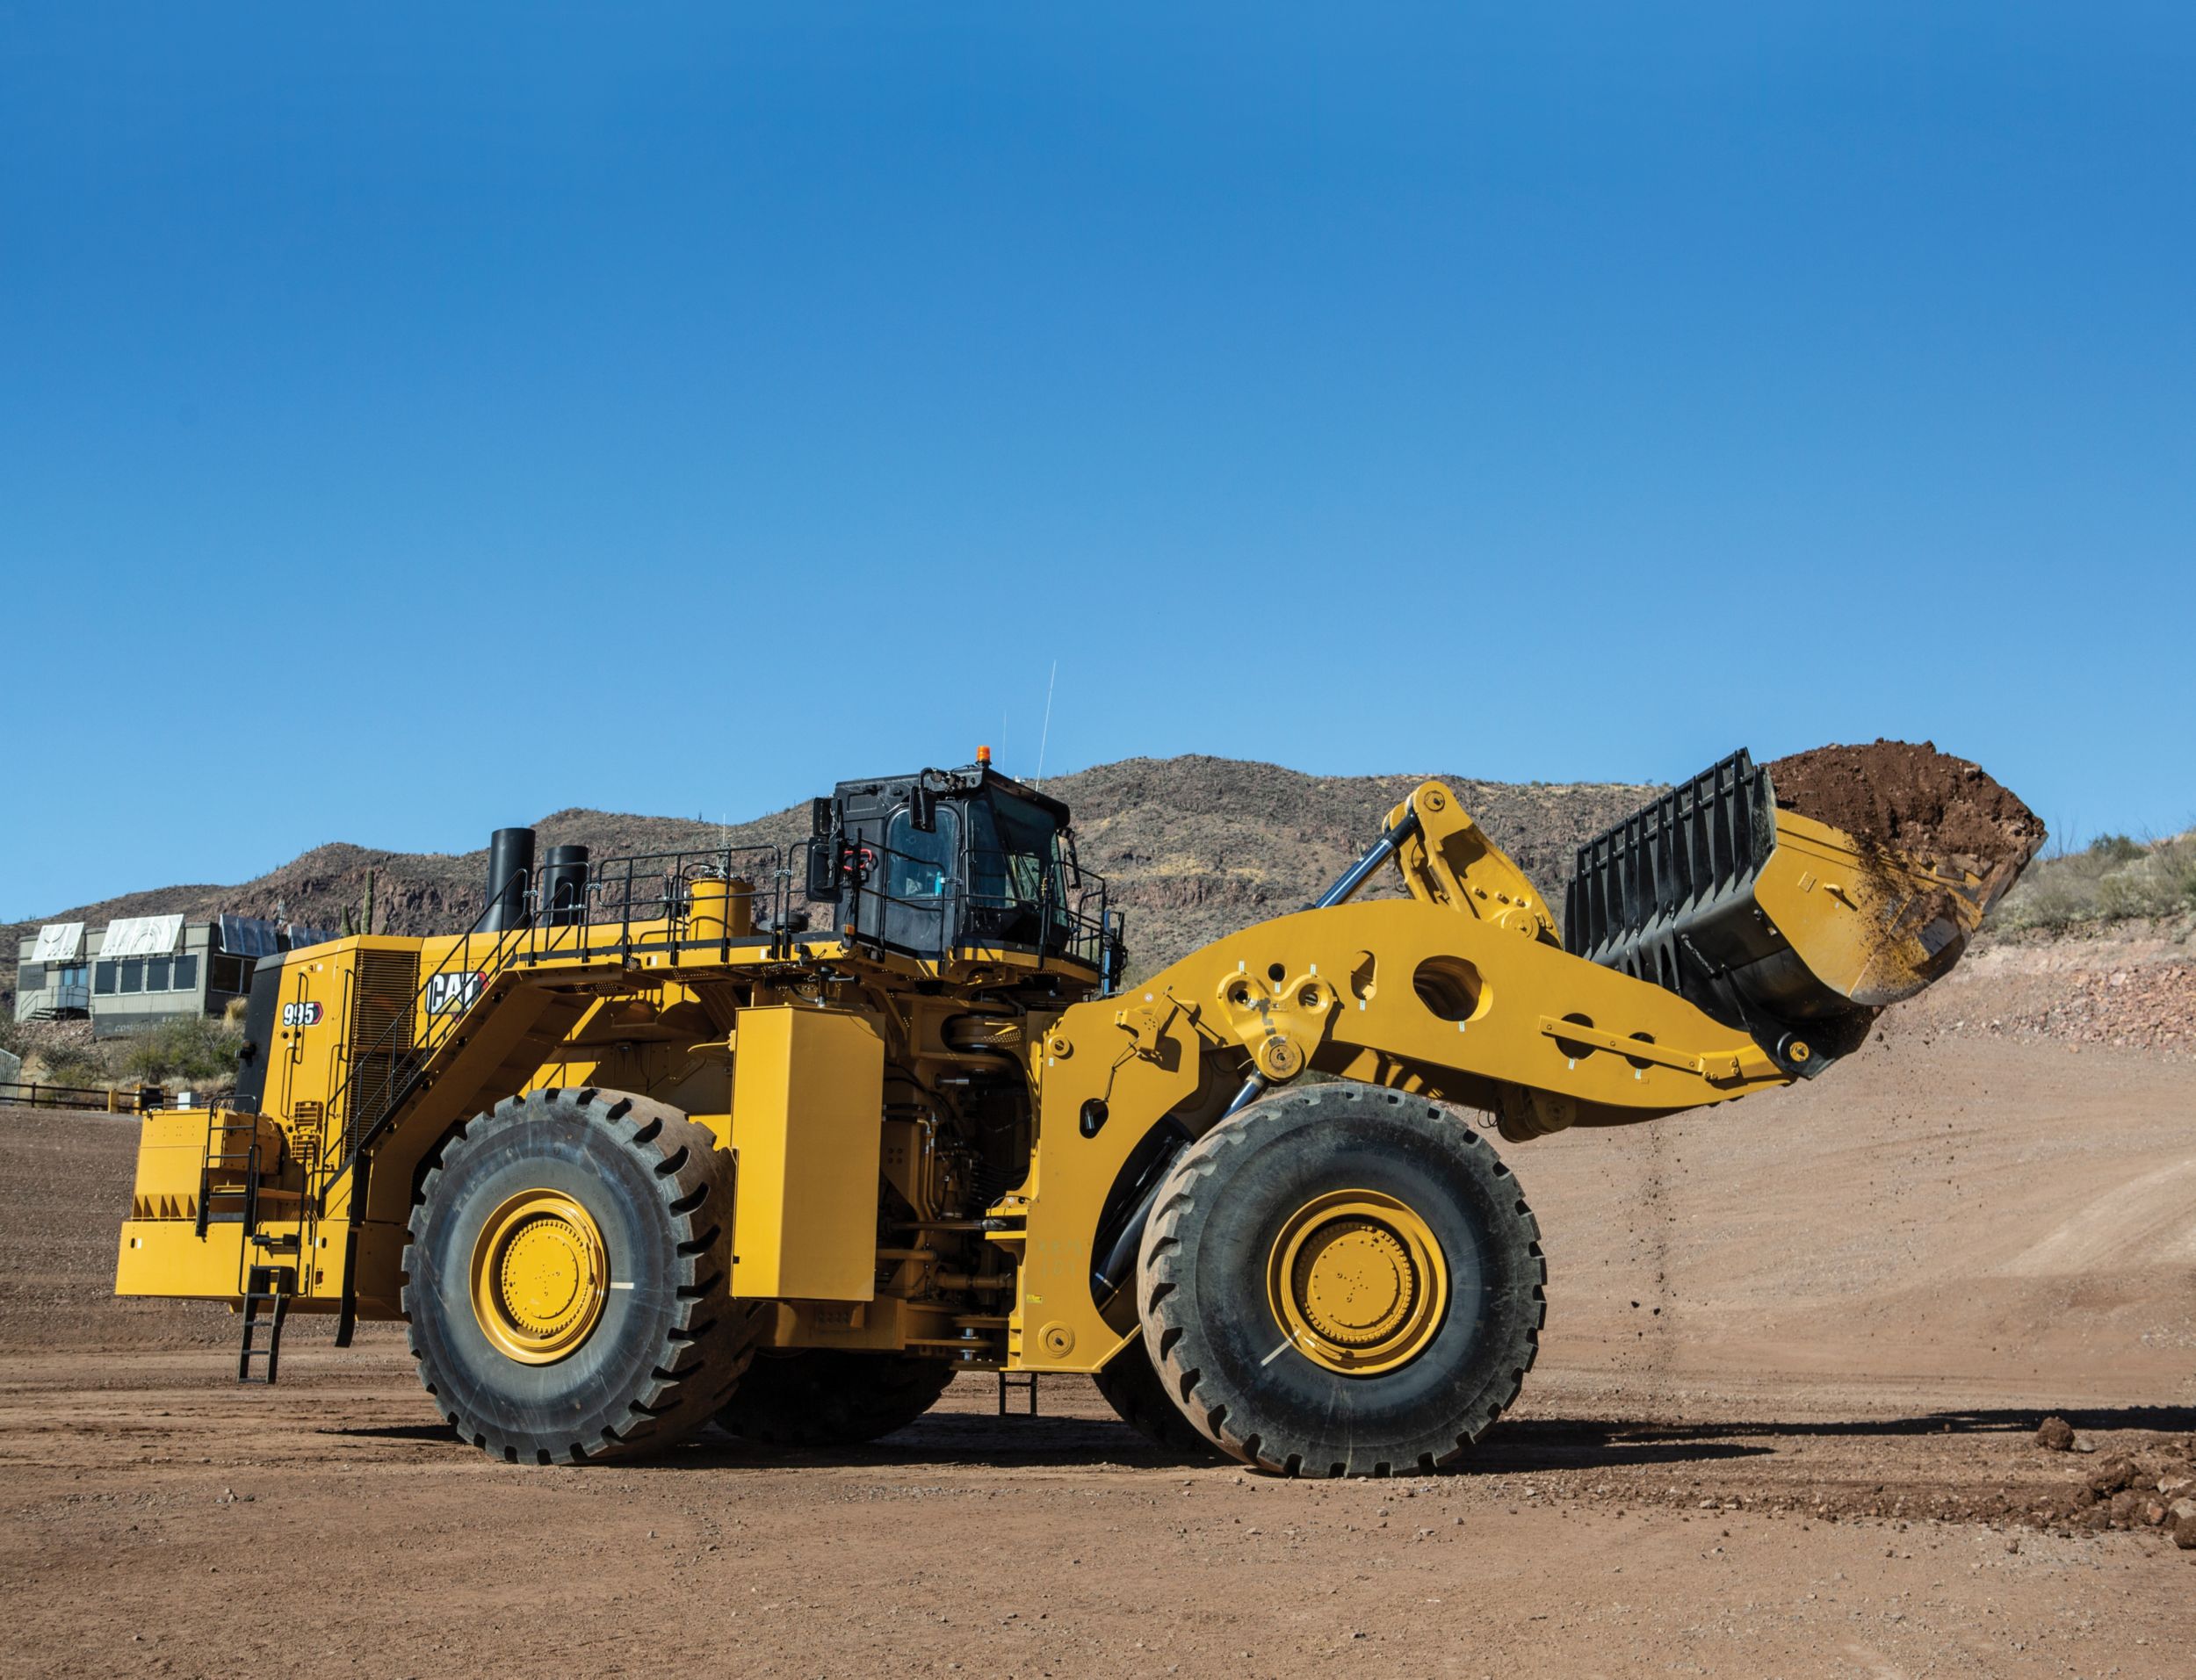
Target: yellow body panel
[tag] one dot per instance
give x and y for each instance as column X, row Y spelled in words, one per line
column 164, row 1256
column 1449, row 862
column 171, row 1150
column 805, row 1100
column 1871, row 925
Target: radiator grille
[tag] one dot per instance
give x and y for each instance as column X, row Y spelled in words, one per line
column 389, row 984
column 382, row 1026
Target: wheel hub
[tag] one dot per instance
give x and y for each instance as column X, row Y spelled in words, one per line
column 539, row 1276
column 1354, row 1281
column 1357, row 1282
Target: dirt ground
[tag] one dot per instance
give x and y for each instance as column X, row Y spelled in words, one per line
column 1782, row 1424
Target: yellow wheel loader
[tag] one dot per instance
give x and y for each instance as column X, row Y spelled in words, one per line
column 784, row 1138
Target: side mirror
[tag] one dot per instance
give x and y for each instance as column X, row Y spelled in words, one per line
column 922, row 809
column 823, row 870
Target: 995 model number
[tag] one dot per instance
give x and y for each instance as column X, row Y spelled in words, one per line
column 300, row 1014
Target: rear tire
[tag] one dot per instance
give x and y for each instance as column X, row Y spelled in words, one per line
column 565, row 1279
column 1132, row 1388
column 1342, row 1281
column 828, row 1397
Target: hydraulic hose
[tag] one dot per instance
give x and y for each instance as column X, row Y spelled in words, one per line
column 1387, row 845
column 1113, row 1271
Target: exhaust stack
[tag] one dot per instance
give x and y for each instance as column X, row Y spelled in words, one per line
column 564, row 886
column 510, row 874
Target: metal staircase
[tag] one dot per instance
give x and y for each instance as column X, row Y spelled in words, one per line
column 234, row 1190
column 401, row 1061
column 267, row 1288
column 463, row 1020
column 228, row 1172
column 69, row 1003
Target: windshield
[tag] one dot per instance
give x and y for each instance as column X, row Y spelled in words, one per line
column 1014, row 846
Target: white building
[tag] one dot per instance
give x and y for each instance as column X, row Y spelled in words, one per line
column 138, row 971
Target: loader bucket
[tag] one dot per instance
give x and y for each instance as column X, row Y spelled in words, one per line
column 1792, row 930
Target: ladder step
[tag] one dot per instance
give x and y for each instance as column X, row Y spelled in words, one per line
column 270, row 1286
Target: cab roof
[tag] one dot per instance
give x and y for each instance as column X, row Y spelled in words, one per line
column 968, row 780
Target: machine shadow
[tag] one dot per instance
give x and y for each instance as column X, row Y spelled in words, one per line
column 2164, row 1419
column 1528, row 1445
column 1547, row 1445
column 963, row 1439
column 424, row 1433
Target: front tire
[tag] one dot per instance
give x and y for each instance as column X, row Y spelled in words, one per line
column 565, row 1279
column 1342, row 1281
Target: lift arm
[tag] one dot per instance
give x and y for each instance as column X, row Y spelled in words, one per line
column 1459, row 992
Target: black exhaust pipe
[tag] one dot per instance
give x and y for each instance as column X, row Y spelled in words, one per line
column 510, row 872
column 564, row 886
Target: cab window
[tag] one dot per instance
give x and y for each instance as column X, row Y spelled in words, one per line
column 920, row 866
column 1013, row 847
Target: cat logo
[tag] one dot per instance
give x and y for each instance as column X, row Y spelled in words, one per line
column 446, row 992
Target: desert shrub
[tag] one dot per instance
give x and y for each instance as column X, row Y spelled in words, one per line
column 2114, row 880
column 193, row 1050
column 2158, row 881
column 82, row 1064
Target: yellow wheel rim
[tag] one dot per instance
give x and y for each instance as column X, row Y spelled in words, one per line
column 1357, row 1282
column 539, row 1276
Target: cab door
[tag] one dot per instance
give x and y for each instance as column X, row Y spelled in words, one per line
column 918, row 879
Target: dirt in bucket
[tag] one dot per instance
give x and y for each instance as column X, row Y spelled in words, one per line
column 1909, row 798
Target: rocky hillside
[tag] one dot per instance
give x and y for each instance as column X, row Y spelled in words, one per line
column 1193, row 847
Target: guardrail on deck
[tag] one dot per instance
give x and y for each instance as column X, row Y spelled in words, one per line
column 111, row 1100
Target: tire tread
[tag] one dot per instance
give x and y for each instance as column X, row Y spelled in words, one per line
column 1230, row 1420
column 710, row 1339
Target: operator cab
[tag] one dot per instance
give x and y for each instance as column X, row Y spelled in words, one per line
column 941, row 862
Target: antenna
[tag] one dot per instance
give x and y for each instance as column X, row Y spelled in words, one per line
column 1045, row 734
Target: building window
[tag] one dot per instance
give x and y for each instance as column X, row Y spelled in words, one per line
column 75, row 975
column 156, row 973
column 102, row 978
column 186, row 974
column 30, row 977
column 231, row 973
column 133, row 974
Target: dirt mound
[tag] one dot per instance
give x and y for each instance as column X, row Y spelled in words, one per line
column 1913, row 799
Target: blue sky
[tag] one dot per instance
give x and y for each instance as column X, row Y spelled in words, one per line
column 413, row 423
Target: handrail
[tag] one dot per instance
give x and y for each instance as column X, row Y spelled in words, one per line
column 1067, row 916
column 113, row 1099
column 619, row 895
